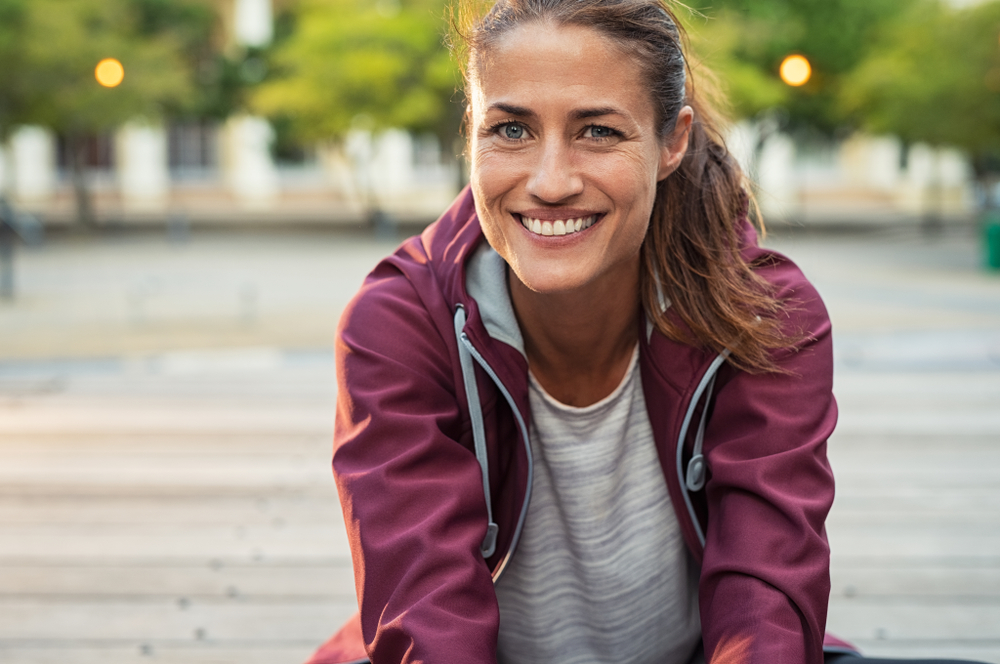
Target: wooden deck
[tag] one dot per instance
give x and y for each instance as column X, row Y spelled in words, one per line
column 171, row 518
column 179, row 507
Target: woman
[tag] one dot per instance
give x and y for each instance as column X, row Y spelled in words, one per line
column 583, row 417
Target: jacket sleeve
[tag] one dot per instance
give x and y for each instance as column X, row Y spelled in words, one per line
column 765, row 579
column 410, row 489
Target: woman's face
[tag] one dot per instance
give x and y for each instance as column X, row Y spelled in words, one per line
column 566, row 156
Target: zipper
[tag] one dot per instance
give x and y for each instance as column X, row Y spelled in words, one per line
column 481, row 361
column 693, row 479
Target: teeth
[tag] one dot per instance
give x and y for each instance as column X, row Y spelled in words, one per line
column 560, row 227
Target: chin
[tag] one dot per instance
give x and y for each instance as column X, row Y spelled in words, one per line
column 547, row 282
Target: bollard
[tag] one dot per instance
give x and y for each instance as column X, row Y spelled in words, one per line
column 991, row 239
column 6, row 262
column 7, row 233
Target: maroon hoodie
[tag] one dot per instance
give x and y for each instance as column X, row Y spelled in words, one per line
column 412, row 489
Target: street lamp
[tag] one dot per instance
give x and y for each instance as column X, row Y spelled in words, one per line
column 109, row 72
column 795, row 70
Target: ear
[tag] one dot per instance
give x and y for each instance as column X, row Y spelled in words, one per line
column 676, row 144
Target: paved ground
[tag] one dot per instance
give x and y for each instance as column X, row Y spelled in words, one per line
column 165, row 418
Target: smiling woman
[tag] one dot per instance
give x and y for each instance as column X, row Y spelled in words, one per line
column 583, row 417
column 569, row 137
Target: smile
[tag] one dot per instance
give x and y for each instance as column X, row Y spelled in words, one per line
column 559, row 227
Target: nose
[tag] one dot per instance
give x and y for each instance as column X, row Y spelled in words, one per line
column 554, row 178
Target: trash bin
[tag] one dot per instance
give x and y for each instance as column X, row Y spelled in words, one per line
column 991, row 239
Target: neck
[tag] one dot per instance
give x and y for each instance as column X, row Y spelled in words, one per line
column 579, row 343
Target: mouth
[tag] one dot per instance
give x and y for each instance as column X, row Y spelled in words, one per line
column 559, row 226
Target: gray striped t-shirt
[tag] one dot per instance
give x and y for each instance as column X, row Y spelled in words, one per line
column 601, row 573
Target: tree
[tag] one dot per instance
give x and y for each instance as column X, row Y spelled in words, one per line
column 12, row 19
column 746, row 40
column 716, row 42
column 57, row 44
column 382, row 61
column 357, row 64
column 935, row 78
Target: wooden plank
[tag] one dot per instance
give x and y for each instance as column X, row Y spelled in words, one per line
column 923, row 649
column 258, row 507
column 917, row 581
column 191, row 444
column 152, row 618
column 158, row 541
column 332, row 579
column 906, row 618
column 138, row 651
column 182, row 418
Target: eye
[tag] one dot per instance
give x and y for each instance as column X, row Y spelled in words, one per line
column 596, row 131
column 512, row 131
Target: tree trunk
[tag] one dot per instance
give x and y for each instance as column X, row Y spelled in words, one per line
column 378, row 220
column 77, row 145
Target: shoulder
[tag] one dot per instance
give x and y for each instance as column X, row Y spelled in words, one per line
column 412, row 292
column 400, row 322
column 802, row 306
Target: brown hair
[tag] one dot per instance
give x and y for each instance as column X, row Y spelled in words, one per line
column 691, row 254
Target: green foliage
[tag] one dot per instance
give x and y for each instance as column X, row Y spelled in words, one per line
column 12, row 19
column 746, row 40
column 218, row 87
column 935, row 78
column 361, row 63
column 716, row 43
column 56, row 47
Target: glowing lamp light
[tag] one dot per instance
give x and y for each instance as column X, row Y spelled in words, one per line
column 796, row 70
column 109, row 73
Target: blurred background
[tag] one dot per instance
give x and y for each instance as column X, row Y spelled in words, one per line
column 192, row 190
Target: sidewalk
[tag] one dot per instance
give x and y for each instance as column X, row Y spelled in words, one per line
column 165, row 422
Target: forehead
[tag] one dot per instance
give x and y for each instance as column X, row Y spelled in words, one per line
column 552, row 65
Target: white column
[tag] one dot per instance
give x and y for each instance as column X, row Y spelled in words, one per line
column 33, row 164
column 883, row 162
column 143, row 168
column 779, row 187
column 253, row 22
column 742, row 143
column 920, row 176
column 953, row 168
column 921, row 166
column 250, row 169
column 4, row 171
column 392, row 165
column 870, row 162
column 956, row 178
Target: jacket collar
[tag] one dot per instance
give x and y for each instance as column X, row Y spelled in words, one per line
column 486, row 282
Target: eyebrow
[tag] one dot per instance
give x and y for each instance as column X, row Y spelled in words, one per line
column 581, row 114
column 510, row 109
column 585, row 113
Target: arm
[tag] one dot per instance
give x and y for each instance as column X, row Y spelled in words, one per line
column 410, row 489
column 765, row 579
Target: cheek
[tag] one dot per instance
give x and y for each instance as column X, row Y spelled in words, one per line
column 489, row 180
column 494, row 171
column 632, row 182
column 494, row 176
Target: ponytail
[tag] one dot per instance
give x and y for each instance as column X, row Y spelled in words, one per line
column 691, row 256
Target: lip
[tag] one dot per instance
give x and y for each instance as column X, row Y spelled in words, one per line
column 556, row 214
